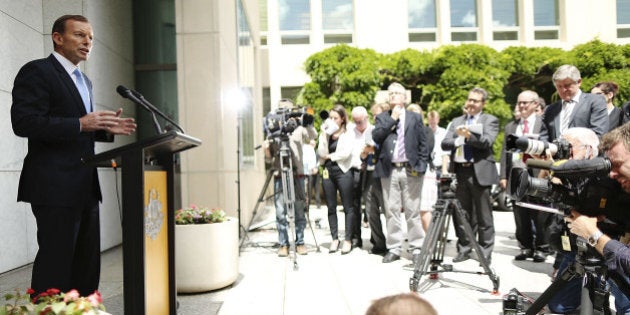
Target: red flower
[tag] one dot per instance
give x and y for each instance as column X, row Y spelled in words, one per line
column 30, row 291
column 53, row 291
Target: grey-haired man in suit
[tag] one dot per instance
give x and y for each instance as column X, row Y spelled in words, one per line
column 575, row 108
column 470, row 138
column 529, row 124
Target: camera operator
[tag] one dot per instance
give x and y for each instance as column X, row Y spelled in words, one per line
column 299, row 136
column 616, row 145
column 584, row 144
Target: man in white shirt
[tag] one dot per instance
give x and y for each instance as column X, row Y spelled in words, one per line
column 361, row 133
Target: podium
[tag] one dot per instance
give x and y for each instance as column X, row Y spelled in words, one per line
column 148, row 221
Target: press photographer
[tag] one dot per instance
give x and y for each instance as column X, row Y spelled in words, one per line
column 293, row 126
column 616, row 145
column 579, row 186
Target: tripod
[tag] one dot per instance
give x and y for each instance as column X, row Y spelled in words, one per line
column 284, row 156
column 432, row 253
column 594, row 293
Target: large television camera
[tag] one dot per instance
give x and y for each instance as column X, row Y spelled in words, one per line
column 582, row 185
column 283, row 121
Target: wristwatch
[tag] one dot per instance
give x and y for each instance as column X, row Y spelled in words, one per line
column 592, row 240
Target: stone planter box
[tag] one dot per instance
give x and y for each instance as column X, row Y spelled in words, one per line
column 206, row 256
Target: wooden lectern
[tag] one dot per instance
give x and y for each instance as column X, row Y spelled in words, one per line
column 148, row 226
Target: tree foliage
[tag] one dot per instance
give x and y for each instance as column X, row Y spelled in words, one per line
column 440, row 79
column 341, row 74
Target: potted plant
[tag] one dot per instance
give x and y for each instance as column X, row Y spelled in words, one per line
column 52, row 302
column 206, row 249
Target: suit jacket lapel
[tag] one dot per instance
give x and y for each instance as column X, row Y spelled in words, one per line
column 67, row 81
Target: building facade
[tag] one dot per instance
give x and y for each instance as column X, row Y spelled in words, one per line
column 298, row 28
column 218, row 66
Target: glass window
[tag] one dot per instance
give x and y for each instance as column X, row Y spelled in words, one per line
column 504, row 13
column 421, row 14
column 337, row 15
column 262, row 8
column 623, row 11
column 463, row 13
column 295, row 15
column 546, row 13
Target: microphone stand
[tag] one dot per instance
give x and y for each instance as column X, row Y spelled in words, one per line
column 155, row 110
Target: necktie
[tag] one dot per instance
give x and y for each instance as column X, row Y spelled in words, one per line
column 525, row 131
column 82, row 87
column 468, row 152
column 564, row 116
column 400, row 142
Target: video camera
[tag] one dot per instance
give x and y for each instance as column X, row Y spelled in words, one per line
column 559, row 148
column 283, row 121
column 447, row 186
column 583, row 185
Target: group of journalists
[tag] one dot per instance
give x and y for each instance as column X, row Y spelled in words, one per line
column 393, row 167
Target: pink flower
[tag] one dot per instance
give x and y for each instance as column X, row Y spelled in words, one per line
column 95, row 298
column 72, row 295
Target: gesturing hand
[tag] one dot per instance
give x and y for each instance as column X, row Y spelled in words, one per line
column 109, row 121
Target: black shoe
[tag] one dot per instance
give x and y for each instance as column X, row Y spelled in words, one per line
column 378, row 251
column 525, row 253
column 461, row 257
column 357, row 243
column 390, row 257
column 539, row 256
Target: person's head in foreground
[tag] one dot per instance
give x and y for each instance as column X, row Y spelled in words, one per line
column 401, row 304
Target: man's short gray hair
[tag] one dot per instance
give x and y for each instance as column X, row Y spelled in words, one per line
column 483, row 92
column 566, row 72
column 359, row 111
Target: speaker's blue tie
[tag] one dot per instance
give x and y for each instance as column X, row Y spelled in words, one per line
column 83, row 90
column 468, row 151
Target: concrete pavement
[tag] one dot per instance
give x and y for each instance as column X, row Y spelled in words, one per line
column 333, row 283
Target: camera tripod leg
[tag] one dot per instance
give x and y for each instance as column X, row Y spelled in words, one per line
column 459, row 211
column 429, row 246
column 307, row 212
column 565, row 277
column 261, row 198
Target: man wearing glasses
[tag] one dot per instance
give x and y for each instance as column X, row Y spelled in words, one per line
column 470, row 138
column 575, row 108
column 533, row 239
column 402, row 162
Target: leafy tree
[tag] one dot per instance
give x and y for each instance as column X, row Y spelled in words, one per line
column 341, row 74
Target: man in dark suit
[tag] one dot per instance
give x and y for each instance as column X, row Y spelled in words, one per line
column 575, row 108
column 470, row 138
column 533, row 239
column 402, row 161
column 53, row 107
